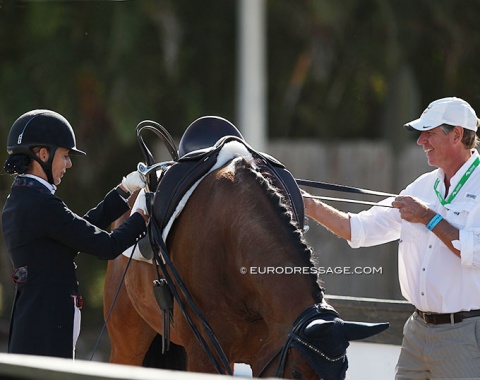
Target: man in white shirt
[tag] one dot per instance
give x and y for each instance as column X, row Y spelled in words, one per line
column 437, row 222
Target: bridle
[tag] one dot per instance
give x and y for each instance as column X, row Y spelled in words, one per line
column 312, row 312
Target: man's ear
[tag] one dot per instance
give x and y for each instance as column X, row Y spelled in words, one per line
column 458, row 134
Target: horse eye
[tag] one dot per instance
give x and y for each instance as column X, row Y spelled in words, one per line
column 296, row 375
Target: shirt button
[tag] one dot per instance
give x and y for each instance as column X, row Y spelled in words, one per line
column 423, row 269
column 430, row 246
column 423, row 293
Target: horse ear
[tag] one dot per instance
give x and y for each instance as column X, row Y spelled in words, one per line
column 317, row 327
column 362, row 330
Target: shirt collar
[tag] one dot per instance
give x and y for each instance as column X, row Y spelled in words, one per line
column 460, row 172
column 49, row 186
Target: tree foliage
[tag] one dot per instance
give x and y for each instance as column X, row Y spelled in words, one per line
column 342, row 69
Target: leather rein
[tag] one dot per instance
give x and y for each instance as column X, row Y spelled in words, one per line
column 344, row 189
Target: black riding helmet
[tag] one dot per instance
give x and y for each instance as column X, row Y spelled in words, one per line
column 41, row 128
column 205, row 132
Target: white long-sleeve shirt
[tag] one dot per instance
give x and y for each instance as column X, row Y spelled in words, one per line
column 431, row 276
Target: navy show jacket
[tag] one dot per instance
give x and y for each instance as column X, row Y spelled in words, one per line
column 43, row 236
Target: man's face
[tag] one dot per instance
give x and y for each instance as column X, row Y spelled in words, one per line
column 438, row 146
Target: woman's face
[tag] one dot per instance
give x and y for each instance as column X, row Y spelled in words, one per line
column 61, row 162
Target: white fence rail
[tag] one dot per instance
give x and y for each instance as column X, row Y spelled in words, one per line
column 24, row 367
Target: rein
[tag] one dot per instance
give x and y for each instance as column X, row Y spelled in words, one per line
column 344, row 189
column 165, row 263
column 122, row 280
column 167, row 140
column 347, row 200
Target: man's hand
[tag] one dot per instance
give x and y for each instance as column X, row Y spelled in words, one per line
column 412, row 210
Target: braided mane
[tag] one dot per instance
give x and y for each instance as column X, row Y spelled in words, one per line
column 277, row 197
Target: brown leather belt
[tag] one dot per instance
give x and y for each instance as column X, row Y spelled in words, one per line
column 452, row 318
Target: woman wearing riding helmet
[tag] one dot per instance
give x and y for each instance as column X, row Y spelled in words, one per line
column 43, row 235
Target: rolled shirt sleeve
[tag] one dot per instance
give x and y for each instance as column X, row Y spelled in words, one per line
column 469, row 247
column 465, row 216
column 375, row 226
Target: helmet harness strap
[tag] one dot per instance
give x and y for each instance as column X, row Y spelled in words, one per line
column 47, row 165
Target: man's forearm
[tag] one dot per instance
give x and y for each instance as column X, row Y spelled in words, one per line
column 332, row 219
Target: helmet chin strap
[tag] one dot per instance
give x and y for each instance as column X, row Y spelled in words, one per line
column 47, row 165
column 47, row 168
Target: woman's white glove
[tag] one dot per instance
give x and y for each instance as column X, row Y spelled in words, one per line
column 133, row 182
column 140, row 202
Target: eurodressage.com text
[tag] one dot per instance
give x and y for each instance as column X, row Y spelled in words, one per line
column 312, row 270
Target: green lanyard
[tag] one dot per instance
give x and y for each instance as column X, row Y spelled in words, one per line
column 460, row 183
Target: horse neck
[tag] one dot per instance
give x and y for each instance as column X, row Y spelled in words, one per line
column 274, row 254
column 231, row 225
column 285, row 287
column 279, row 298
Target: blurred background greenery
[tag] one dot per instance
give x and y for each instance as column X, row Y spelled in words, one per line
column 336, row 70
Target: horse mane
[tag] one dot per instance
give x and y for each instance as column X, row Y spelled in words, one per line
column 278, row 199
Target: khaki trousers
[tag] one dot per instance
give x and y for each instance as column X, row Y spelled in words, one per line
column 439, row 351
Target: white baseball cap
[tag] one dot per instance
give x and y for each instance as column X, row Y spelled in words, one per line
column 452, row 111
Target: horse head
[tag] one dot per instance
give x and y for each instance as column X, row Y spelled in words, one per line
column 320, row 339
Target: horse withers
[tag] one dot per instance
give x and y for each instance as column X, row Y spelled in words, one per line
column 249, row 271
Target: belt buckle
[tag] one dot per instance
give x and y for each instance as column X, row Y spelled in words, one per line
column 429, row 318
column 424, row 316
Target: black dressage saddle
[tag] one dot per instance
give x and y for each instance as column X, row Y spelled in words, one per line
column 192, row 166
column 199, row 149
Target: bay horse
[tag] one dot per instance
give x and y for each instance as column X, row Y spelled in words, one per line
column 249, row 270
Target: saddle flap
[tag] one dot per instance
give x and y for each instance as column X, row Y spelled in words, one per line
column 176, row 182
